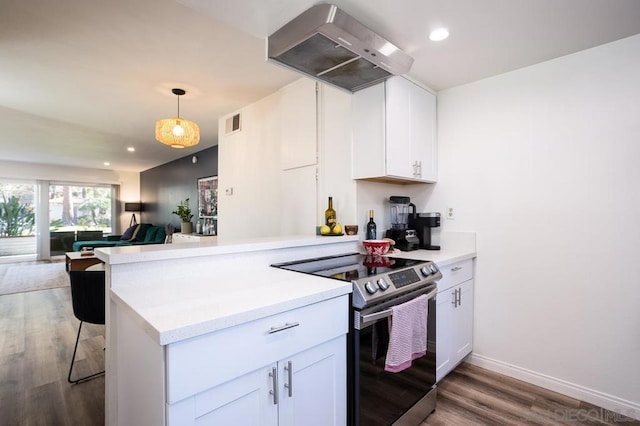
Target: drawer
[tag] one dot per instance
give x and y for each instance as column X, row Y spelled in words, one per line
column 202, row 362
column 455, row 274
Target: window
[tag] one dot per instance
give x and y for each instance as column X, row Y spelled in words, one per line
column 80, row 208
column 75, row 209
column 17, row 219
column 27, row 232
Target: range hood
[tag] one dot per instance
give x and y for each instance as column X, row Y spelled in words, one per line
column 327, row 44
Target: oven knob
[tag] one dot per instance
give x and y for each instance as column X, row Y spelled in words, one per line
column 371, row 289
column 382, row 285
column 425, row 271
column 433, row 268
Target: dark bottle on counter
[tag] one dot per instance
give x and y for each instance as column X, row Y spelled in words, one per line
column 330, row 215
column 371, row 227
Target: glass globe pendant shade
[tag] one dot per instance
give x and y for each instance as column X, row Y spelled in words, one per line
column 177, row 132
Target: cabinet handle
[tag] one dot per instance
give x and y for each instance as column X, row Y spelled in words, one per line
column 289, row 369
column 283, row 327
column 274, row 377
column 456, row 268
column 454, row 294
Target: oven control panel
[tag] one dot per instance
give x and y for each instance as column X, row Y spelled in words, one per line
column 403, row 278
column 378, row 288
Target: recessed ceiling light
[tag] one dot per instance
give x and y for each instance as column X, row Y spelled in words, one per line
column 106, row 163
column 439, row 34
column 131, row 149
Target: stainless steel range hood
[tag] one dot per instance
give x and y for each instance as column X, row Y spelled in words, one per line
column 327, row 44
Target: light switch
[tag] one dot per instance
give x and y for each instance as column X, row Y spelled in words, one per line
column 229, row 191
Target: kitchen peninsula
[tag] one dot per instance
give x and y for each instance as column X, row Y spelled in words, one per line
column 210, row 332
column 202, row 330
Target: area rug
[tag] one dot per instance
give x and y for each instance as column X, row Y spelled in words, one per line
column 31, row 276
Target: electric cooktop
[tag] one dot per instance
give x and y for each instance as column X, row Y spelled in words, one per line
column 348, row 267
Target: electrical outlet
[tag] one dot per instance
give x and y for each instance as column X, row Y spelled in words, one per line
column 450, row 213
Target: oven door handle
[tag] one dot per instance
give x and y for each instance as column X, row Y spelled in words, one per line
column 367, row 319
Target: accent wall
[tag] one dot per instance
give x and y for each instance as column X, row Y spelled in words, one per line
column 163, row 187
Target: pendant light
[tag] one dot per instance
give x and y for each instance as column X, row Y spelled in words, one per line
column 177, row 132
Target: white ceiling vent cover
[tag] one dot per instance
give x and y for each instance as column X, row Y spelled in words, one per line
column 233, row 124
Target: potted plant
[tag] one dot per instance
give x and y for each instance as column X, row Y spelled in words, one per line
column 184, row 213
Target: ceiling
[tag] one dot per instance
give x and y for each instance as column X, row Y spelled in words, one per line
column 80, row 81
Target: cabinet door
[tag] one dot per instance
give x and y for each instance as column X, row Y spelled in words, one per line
column 368, row 127
column 462, row 335
column 398, row 127
column 444, row 331
column 242, row 401
column 313, row 391
column 423, row 133
column 297, row 107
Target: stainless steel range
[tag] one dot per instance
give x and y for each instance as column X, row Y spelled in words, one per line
column 376, row 396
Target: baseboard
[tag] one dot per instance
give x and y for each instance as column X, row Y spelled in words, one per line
column 609, row 402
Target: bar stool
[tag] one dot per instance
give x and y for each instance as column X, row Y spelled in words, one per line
column 87, row 297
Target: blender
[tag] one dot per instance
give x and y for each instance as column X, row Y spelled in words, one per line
column 406, row 239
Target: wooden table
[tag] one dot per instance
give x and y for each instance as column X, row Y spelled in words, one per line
column 75, row 261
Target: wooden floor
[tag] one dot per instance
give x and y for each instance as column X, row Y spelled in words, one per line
column 37, row 334
column 38, row 330
column 471, row 395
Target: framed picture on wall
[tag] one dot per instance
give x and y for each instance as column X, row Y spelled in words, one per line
column 208, row 197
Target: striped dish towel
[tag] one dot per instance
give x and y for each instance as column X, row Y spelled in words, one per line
column 408, row 336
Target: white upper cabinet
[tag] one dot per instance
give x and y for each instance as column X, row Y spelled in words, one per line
column 394, row 133
column 297, row 106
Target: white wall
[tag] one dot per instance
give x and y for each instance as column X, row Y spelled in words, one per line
column 375, row 196
column 268, row 200
column 543, row 163
column 129, row 181
column 249, row 165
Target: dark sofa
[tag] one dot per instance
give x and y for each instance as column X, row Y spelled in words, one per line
column 142, row 234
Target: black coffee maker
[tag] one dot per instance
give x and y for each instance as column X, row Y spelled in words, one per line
column 423, row 223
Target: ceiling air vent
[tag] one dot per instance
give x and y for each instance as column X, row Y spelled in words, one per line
column 327, row 44
column 233, row 124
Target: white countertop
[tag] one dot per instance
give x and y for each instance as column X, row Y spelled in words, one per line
column 152, row 252
column 443, row 257
column 173, row 311
column 455, row 247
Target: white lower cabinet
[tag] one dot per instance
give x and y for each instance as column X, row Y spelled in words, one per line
column 315, row 392
column 253, row 375
column 310, row 388
column 241, row 401
column 454, row 317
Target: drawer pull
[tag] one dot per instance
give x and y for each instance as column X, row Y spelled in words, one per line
column 283, row 327
column 455, row 269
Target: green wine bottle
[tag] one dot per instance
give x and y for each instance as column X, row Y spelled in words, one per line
column 330, row 215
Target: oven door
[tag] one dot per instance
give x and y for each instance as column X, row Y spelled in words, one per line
column 378, row 397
